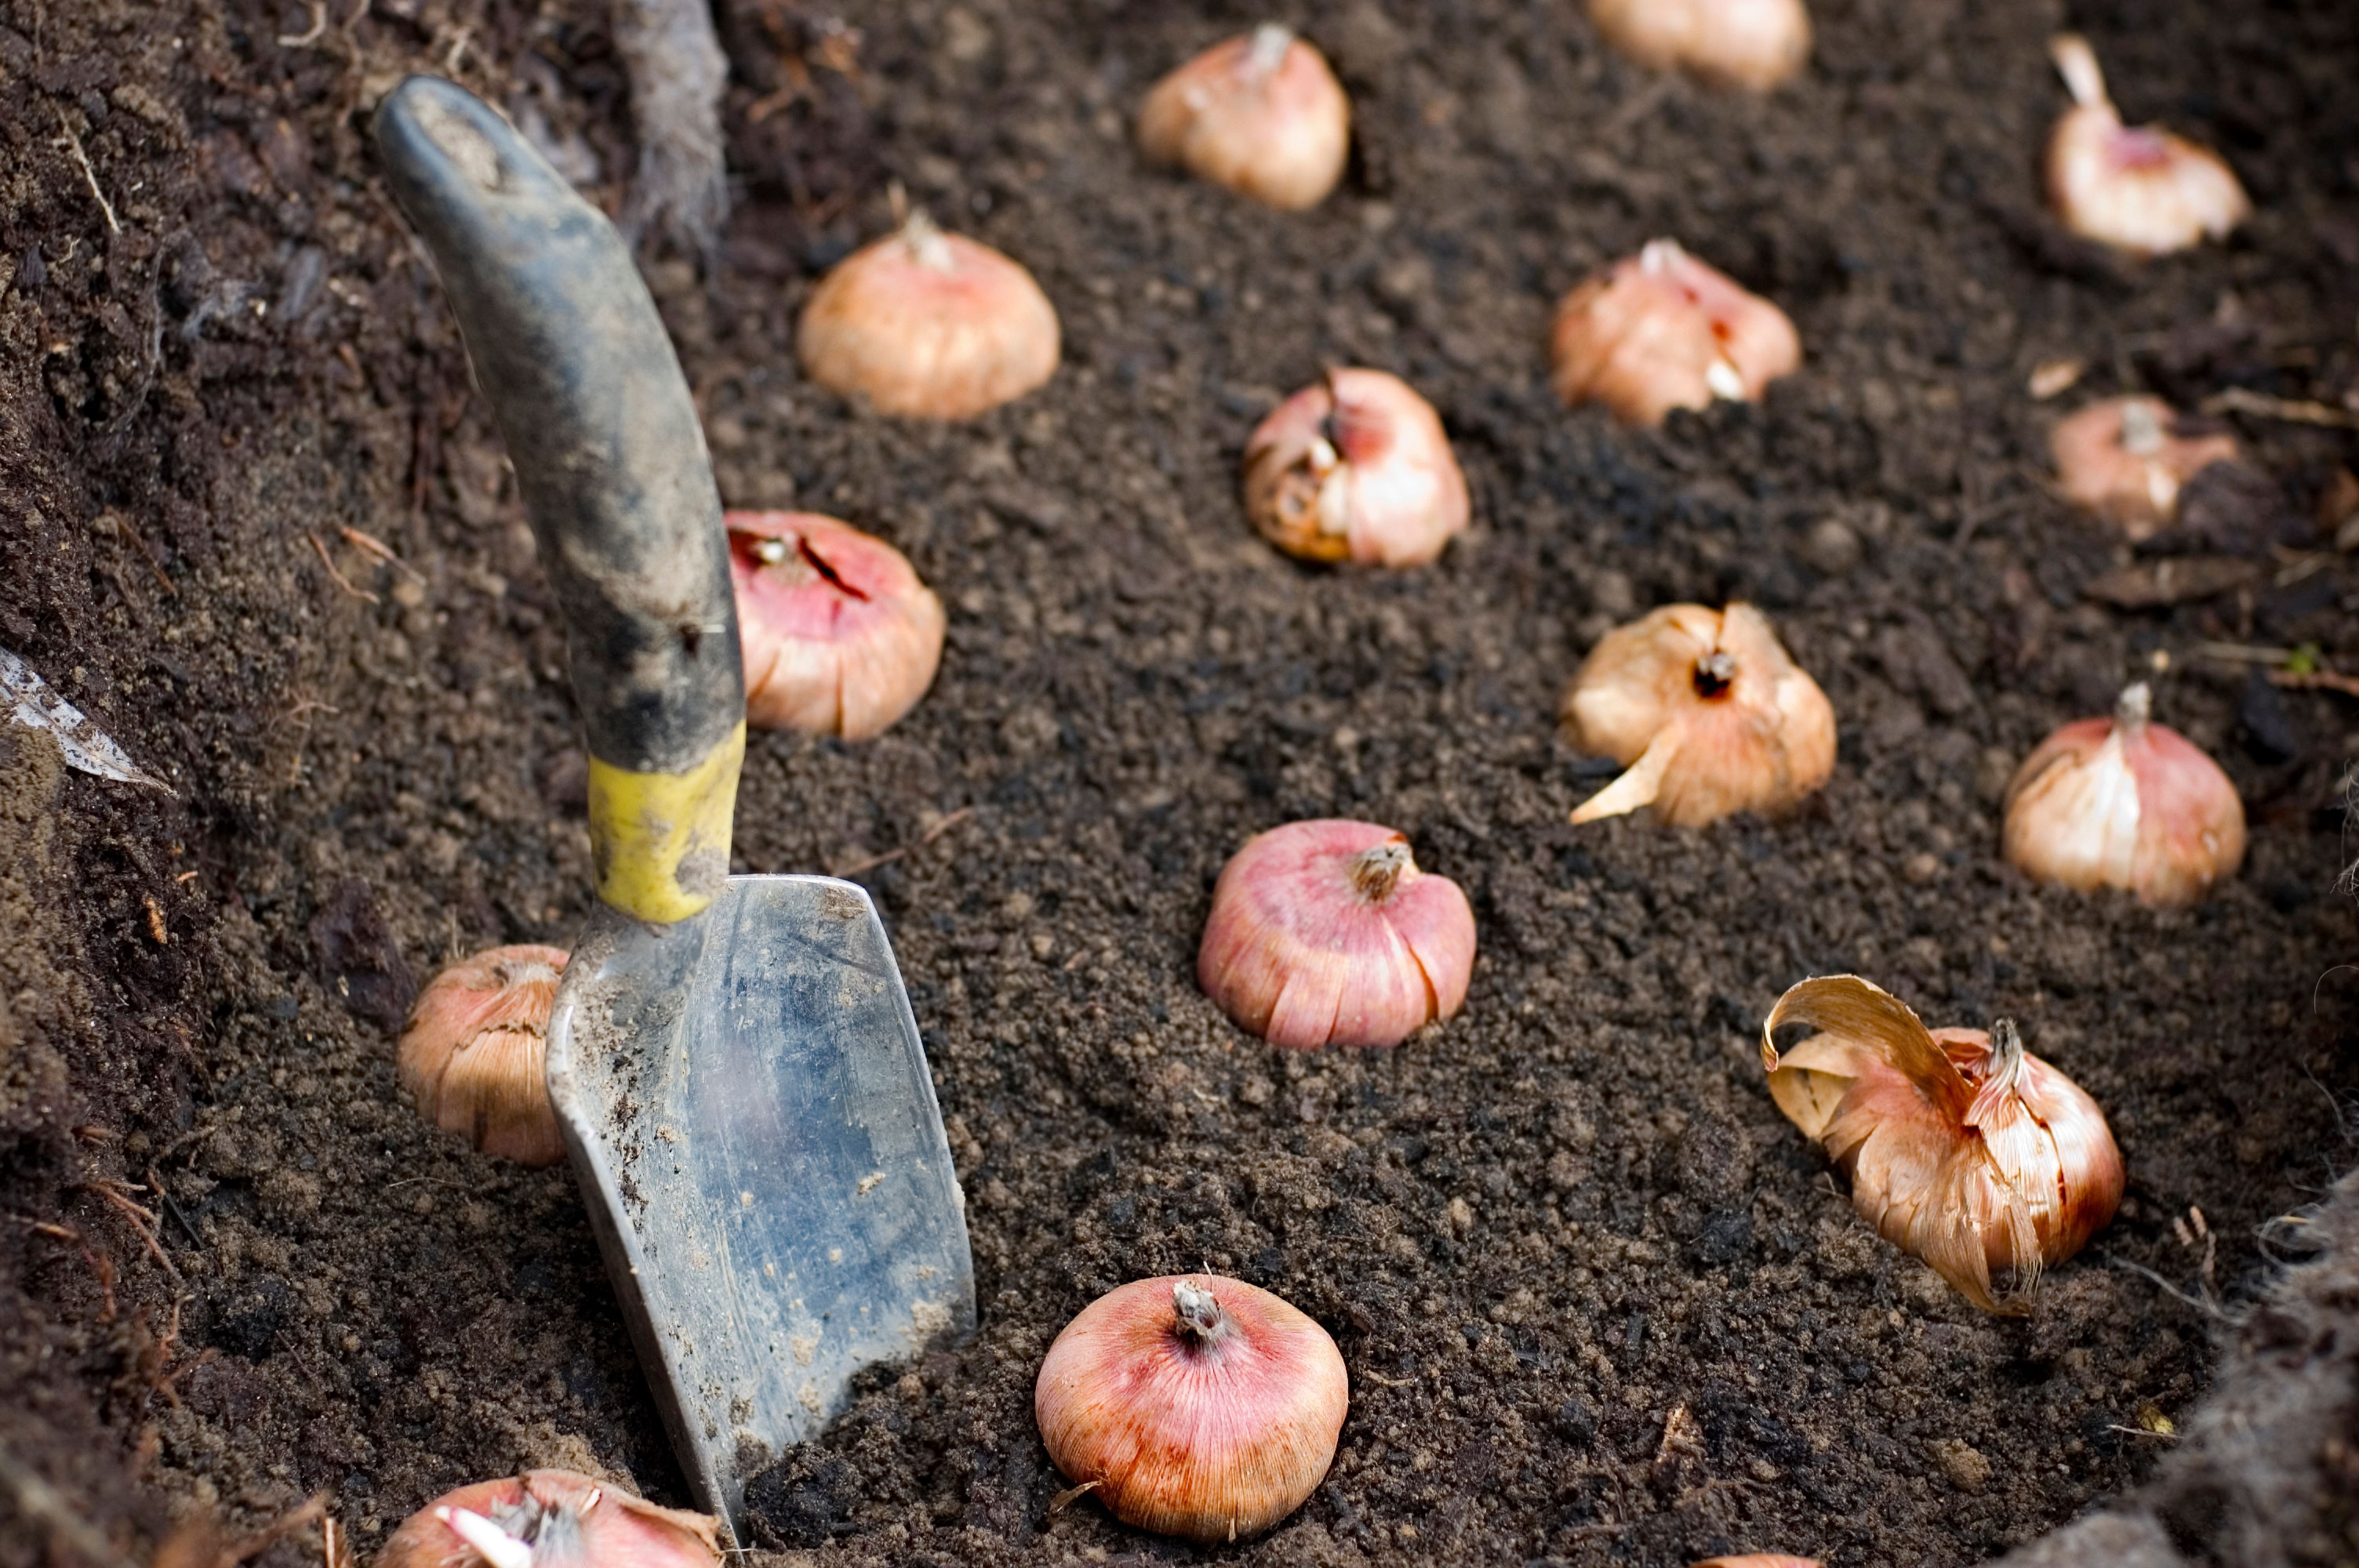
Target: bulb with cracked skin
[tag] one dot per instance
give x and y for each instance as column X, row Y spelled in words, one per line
column 1753, row 44
column 2124, row 803
column 1706, row 710
column 474, row 1051
column 1963, row 1149
column 1662, row 330
column 1326, row 933
column 2124, row 460
column 1193, row 1405
column 1261, row 114
column 550, row 1518
column 1355, row 467
column 2136, row 188
column 929, row 325
column 839, row 636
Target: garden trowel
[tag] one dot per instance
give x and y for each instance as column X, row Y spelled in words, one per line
column 733, row 1058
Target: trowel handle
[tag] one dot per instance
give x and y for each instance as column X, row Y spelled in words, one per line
column 569, row 352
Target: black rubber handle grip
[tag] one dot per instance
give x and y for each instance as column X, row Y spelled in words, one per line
column 574, row 361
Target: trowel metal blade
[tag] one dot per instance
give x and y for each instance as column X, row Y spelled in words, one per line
column 755, row 1135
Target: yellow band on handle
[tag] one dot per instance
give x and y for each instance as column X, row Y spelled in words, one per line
column 660, row 841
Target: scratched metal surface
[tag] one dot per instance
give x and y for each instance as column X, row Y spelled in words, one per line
column 750, row 1087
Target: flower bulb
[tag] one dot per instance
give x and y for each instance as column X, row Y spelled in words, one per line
column 839, row 636
column 1963, row 1149
column 1356, row 468
column 930, row 325
column 1326, row 933
column 1261, row 114
column 2123, row 459
column 1734, row 43
column 473, row 1053
column 2137, row 188
column 2124, row 803
column 1759, row 1559
column 1193, row 1405
column 1706, row 711
column 1662, row 330
column 550, row 1518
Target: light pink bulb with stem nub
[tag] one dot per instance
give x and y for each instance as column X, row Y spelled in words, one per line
column 840, row 637
column 2137, row 188
column 550, row 1518
column 1261, row 114
column 1662, row 330
column 2124, row 460
column 1753, row 44
column 1194, row 1405
column 930, row 325
column 475, row 1052
column 1355, row 467
column 1326, row 933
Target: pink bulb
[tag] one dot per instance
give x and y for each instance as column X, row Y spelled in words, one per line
column 1355, row 467
column 1194, row 1405
column 1753, row 44
column 1261, row 114
column 1326, row 933
column 1662, row 330
column 474, row 1051
column 2123, row 459
column 2137, row 188
column 839, row 636
column 928, row 324
column 550, row 1518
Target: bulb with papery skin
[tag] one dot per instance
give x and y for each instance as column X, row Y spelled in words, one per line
column 1759, row 1559
column 474, row 1051
column 1355, row 467
column 930, row 325
column 550, row 1518
column 2124, row 460
column 1193, row 1405
column 1662, row 330
column 1755, row 44
column 1706, row 710
column 2124, row 803
column 839, row 636
column 2137, row 188
column 1326, row 933
column 1963, row 1149
column 1261, row 114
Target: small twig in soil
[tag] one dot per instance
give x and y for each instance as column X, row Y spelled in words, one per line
column 72, row 144
column 342, row 581
column 142, row 1220
column 2315, row 680
column 930, row 834
column 165, row 1197
column 1071, row 1496
column 369, row 544
column 2209, row 1308
column 43, row 1504
column 311, row 35
column 2292, row 411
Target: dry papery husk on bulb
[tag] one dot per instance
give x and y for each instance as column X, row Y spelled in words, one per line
column 1963, row 1148
column 473, row 1055
column 1662, row 330
column 2125, row 460
column 550, row 1518
column 839, row 636
column 1194, row 1405
column 2124, row 803
column 1327, row 933
column 1707, row 712
column 2137, row 188
column 930, row 325
column 1753, row 44
column 1261, row 114
column 1355, row 467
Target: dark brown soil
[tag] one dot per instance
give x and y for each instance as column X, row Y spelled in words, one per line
column 1543, row 1234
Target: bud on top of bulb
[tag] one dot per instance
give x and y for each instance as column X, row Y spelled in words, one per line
column 1707, row 711
column 1355, row 467
column 1753, row 44
column 550, row 1518
column 928, row 324
column 1261, row 114
column 2137, row 188
column 1662, row 330
column 2124, row 460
